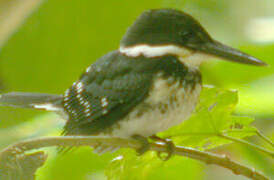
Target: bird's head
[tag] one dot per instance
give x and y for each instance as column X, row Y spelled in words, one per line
column 171, row 32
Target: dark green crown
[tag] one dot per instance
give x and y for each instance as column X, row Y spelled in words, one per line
column 166, row 26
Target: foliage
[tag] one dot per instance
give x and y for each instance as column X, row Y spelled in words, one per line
column 213, row 117
column 129, row 166
column 61, row 38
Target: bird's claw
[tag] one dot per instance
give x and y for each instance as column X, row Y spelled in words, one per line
column 145, row 144
column 170, row 147
column 170, row 150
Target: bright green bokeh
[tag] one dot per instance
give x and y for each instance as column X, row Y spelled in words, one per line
column 61, row 38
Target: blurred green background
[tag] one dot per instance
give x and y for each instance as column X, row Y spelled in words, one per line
column 46, row 45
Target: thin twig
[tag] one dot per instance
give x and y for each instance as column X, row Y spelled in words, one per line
column 270, row 153
column 256, row 131
column 224, row 136
column 206, row 157
column 266, row 139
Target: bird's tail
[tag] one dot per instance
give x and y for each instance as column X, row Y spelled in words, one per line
column 41, row 101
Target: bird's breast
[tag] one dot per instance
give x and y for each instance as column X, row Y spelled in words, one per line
column 170, row 101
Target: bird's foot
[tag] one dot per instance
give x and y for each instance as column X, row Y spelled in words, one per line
column 145, row 144
column 169, row 146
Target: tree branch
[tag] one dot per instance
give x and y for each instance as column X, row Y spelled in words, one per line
column 12, row 152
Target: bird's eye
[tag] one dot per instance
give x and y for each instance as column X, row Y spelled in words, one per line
column 184, row 33
column 186, row 36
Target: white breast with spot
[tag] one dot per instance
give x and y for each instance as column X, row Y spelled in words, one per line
column 168, row 104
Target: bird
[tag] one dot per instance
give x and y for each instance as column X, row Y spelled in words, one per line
column 150, row 83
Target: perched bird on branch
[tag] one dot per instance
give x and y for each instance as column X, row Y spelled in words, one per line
column 151, row 83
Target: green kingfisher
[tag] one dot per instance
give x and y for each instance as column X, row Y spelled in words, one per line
column 151, row 83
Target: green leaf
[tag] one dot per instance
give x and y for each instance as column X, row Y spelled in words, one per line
column 130, row 166
column 213, row 116
column 148, row 166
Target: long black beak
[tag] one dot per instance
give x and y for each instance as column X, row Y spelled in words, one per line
column 218, row 49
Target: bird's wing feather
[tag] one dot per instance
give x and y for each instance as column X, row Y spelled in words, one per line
column 105, row 94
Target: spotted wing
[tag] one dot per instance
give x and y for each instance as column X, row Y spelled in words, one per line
column 106, row 93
